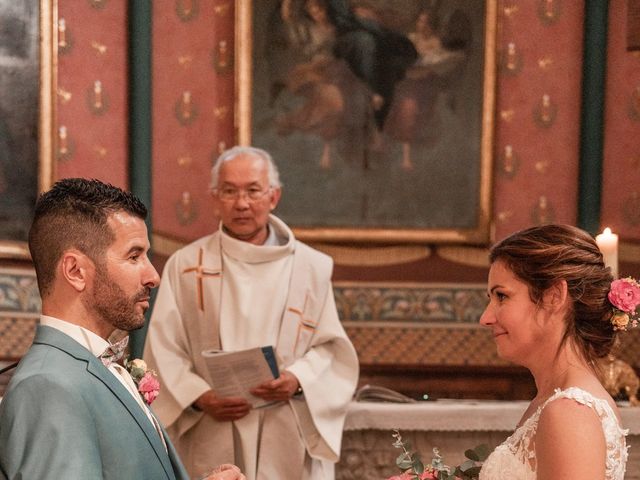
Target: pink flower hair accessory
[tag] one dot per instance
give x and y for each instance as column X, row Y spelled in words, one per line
column 624, row 295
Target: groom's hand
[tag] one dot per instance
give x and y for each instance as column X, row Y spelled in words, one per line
column 223, row 409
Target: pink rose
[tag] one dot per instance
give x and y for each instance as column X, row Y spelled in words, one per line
column 402, row 476
column 149, row 387
column 625, row 295
column 429, row 476
column 411, row 476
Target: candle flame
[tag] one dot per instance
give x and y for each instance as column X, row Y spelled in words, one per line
column 607, row 231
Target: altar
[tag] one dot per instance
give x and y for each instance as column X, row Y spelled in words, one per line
column 452, row 426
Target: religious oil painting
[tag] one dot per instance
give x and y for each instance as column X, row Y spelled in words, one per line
column 378, row 113
column 25, row 77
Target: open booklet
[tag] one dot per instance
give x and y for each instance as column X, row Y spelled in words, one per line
column 233, row 374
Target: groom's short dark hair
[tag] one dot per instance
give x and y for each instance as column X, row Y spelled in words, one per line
column 74, row 213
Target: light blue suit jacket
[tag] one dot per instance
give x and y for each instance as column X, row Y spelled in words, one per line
column 64, row 415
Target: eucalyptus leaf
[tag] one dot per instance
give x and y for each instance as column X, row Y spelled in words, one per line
column 472, row 455
column 483, row 451
column 473, row 472
column 404, row 456
column 137, row 372
column 466, row 465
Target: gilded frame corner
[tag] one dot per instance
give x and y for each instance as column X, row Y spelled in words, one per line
column 47, row 17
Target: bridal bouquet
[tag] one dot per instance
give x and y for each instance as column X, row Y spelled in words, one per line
column 412, row 467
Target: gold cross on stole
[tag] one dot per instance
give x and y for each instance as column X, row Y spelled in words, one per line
column 304, row 323
column 201, row 272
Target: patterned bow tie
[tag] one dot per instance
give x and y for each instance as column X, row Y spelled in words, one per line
column 114, row 352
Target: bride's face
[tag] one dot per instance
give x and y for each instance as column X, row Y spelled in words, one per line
column 512, row 316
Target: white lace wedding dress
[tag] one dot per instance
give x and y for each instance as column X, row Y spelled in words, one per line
column 515, row 458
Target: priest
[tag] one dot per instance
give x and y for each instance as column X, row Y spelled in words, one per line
column 252, row 284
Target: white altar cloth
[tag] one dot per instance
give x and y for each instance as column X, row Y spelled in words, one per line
column 453, row 416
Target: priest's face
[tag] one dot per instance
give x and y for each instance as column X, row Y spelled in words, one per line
column 244, row 199
column 123, row 278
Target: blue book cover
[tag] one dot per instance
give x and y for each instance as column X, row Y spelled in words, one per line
column 270, row 356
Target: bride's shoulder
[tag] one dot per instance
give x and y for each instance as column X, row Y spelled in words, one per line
column 565, row 423
column 591, row 395
column 575, row 404
column 570, row 405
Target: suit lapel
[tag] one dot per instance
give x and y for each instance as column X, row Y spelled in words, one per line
column 178, row 467
column 54, row 338
column 98, row 370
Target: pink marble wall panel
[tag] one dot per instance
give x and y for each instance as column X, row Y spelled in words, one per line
column 92, row 117
column 193, row 107
column 621, row 167
column 538, row 113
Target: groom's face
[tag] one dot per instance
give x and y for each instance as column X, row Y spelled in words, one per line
column 124, row 277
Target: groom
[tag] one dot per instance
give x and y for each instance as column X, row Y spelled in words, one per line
column 71, row 411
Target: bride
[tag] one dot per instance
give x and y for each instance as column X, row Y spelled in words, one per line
column 553, row 309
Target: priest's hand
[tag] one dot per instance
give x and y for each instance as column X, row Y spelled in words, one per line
column 225, row 471
column 279, row 389
column 222, row 408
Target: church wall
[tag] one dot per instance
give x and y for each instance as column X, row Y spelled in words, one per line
column 91, row 100
column 621, row 169
column 193, row 110
column 411, row 310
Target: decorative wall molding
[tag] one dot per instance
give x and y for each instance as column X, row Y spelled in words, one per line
column 364, row 302
column 19, row 311
column 19, row 293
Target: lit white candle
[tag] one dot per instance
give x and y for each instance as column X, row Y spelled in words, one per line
column 608, row 245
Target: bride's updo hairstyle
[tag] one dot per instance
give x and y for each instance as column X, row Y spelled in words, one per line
column 541, row 256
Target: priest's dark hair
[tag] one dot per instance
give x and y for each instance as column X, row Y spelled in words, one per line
column 74, row 213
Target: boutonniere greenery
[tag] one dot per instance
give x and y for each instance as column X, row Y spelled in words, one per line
column 146, row 380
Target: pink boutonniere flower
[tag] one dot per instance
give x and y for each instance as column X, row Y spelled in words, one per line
column 149, row 387
column 146, row 380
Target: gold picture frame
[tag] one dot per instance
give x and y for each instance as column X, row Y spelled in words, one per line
column 46, row 12
column 479, row 211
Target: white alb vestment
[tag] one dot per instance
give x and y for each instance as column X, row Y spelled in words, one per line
column 515, row 458
column 222, row 293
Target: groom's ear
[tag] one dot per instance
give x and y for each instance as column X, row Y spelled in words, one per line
column 75, row 269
